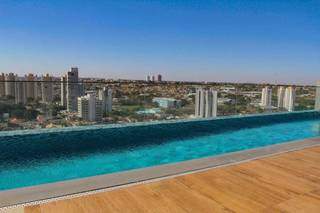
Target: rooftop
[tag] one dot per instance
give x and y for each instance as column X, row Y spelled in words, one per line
column 288, row 182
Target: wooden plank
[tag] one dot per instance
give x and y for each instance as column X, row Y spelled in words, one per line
column 222, row 194
column 301, row 203
column 289, row 182
column 191, row 202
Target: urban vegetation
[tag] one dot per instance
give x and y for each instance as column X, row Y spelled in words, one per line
column 132, row 101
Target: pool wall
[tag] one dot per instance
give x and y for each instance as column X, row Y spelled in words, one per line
column 24, row 147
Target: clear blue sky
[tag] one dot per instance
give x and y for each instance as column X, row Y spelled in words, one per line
column 225, row 40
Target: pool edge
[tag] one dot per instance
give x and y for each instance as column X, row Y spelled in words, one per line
column 79, row 187
column 141, row 124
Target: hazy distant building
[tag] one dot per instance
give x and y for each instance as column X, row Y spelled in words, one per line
column 281, row 93
column 159, row 78
column 153, row 78
column 20, row 96
column 47, row 88
column 63, row 94
column 72, row 78
column 317, row 103
column 266, row 98
column 289, row 99
column 105, row 95
column 148, row 78
column 2, row 85
column 10, row 84
column 206, row 103
column 30, row 78
column 89, row 108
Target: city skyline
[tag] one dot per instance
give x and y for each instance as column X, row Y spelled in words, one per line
column 243, row 41
column 38, row 77
column 51, row 102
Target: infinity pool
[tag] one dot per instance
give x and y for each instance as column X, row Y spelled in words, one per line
column 37, row 157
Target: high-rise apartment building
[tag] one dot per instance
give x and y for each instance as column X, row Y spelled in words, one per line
column 82, row 90
column 2, row 85
column 30, row 78
column 89, row 108
column 63, row 91
column 99, row 110
column 317, row 103
column 212, row 103
column 266, row 98
column 20, row 96
column 159, row 78
column 153, row 78
column 206, row 103
column 289, row 99
column 105, row 95
column 38, row 90
column 10, row 84
column 83, row 107
column 72, row 78
column 281, row 93
column 148, row 78
column 47, row 88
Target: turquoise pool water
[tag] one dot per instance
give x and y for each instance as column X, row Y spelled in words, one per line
column 34, row 159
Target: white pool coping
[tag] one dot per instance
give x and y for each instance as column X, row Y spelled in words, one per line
column 79, row 187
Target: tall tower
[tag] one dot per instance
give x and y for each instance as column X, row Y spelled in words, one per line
column 30, row 86
column 47, row 89
column 317, row 103
column 214, row 103
column 10, row 84
column 197, row 102
column 202, row 108
column 81, row 89
column 20, row 91
column 281, row 93
column 206, row 103
column 289, row 99
column 109, row 101
column 105, row 95
column 266, row 98
column 2, row 85
column 37, row 89
column 89, row 108
column 72, row 87
column 63, row 91
column 159, row 78
column 98, row 110
column 83, row 107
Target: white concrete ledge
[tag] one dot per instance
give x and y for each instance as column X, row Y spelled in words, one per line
column 115, row 180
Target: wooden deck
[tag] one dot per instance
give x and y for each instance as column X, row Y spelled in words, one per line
column 287, row 182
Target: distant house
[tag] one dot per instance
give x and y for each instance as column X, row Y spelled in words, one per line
column 167, row 102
